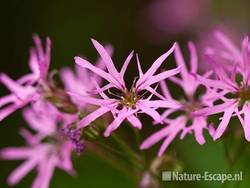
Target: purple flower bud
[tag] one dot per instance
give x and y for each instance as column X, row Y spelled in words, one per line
column 79, row 147
column 65, row 130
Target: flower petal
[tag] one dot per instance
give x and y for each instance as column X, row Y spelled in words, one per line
column 125, row 65
column 246, row 125
column 22, row 92
column 135, row 122
column 224, row 123
column 9, row 110
column 139, row 66
column 92, row 117
column 123, row 114
column 150, row 111
column 214, row 83
column 85, row 64
column 227, row 43
column 13, row 153
column 193, row 57
column 107, row 60
column 215, row 109
column 155, row 66
column 180, row 61
column 22, row 170
column 199, row 124
column 156, row 137
column 161, row 104
column 159, row 77
column 177, row 126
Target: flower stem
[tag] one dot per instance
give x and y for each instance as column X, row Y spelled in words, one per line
column 133, row 156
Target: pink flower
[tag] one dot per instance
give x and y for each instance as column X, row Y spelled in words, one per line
column 46, row 150
column 125, row 103
column 80, row 82
column 25, row 89
column 187, row 106
column 230, row 89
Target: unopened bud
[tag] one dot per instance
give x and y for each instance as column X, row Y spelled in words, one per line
column 91, row 133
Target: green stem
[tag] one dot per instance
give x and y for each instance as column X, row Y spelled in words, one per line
column 108, row 148
column 134, row 158
column 138, row 142
column 137, row 137
column 233, row 160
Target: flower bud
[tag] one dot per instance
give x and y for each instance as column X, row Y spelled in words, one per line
column 91, row 133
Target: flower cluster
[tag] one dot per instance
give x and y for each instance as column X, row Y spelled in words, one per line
column 65, row 119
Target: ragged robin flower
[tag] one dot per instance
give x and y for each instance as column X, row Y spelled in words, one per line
column 186, row 122
column 125, row 103
column 35, row 85
column 230, row 91
column 45, row 150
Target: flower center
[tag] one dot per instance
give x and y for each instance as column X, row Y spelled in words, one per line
column 244, row 94
column 129, row 98
column 191, row 107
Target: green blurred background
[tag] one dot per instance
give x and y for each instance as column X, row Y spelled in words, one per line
column 125, row 25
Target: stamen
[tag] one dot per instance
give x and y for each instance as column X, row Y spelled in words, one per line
column 133, row 84
column 113, row 94
column 130, row 99
column 143, row 94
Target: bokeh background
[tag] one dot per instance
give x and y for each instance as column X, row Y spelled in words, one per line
column 147, row 26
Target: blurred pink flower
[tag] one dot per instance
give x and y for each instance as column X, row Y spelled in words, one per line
column 80, row 81
column 125, row 103
column 46, row 150
column 187, row 106
column 161, row 19
column 221, row 45
column 230, row 89
column 25, row 89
